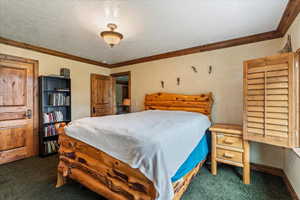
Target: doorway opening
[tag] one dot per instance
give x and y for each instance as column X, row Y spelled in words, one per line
column 122, row 92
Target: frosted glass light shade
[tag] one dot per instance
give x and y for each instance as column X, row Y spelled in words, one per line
column 111, row 37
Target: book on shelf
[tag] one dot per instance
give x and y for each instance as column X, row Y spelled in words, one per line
column 51, row 146
column 59, row 99
column 49, row 130
column 55, row 116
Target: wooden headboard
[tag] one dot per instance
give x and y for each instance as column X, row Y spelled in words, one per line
column 201, row 103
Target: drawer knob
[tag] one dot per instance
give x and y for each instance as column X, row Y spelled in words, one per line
column 228, row 141
column 227, row 155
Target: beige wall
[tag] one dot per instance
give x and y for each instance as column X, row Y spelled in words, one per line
column 294, row 31
column 292, row 161
column 225, row 82
column 292, row 169
column 80, row 75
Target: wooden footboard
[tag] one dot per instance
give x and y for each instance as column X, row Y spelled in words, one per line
column 106, row 175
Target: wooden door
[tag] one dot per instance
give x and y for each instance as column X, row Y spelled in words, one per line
column 102, row 95
column 17, row 108
column 270, row 100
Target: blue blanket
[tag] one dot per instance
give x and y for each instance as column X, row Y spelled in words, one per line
column 197, row 155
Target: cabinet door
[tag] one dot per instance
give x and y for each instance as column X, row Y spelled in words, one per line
column 270, row 97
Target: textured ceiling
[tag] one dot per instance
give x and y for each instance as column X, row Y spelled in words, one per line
column 149, row 26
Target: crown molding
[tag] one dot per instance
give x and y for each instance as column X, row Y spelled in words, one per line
column 50, row 52
column 207, row 47
column 289, row 15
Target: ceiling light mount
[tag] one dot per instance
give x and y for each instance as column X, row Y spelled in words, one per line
column 111, row 37
column 112, row 26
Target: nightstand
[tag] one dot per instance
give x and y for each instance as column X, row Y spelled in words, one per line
column 229, row 147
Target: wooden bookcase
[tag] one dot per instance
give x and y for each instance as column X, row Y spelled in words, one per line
column 55, row 108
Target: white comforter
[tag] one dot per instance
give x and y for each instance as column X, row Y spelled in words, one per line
column 156, row 142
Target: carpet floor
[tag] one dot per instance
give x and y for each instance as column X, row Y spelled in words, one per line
column 34, row 179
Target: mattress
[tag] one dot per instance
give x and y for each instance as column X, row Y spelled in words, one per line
column 156, row 142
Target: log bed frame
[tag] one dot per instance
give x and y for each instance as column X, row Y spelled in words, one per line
column 112, row 178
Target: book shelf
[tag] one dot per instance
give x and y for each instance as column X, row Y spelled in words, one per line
column 55, row 109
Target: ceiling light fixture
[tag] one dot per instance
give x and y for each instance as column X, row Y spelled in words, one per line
column 111, row 37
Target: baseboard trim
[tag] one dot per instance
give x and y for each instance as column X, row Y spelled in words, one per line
column 267, row 169
column 276, row 172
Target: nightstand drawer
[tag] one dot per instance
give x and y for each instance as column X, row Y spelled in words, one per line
column 230, row 141
column 229, row 147
column 230, row 155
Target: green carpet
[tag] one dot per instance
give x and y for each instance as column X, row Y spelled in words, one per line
column 34, row 179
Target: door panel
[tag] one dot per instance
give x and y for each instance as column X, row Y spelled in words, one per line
column 13, row 90
column 11, row 138
column 16, row 109
column 11, row 116
column 102, row 95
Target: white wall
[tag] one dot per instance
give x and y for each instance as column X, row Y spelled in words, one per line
column 80, row 75
column 226, row 83
column 292, row 161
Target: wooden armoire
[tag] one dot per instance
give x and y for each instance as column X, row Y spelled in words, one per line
column 271, row 100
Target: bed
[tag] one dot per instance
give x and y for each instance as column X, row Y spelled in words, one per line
column 108, row 175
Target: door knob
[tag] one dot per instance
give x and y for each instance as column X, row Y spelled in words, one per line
column 28, row 114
